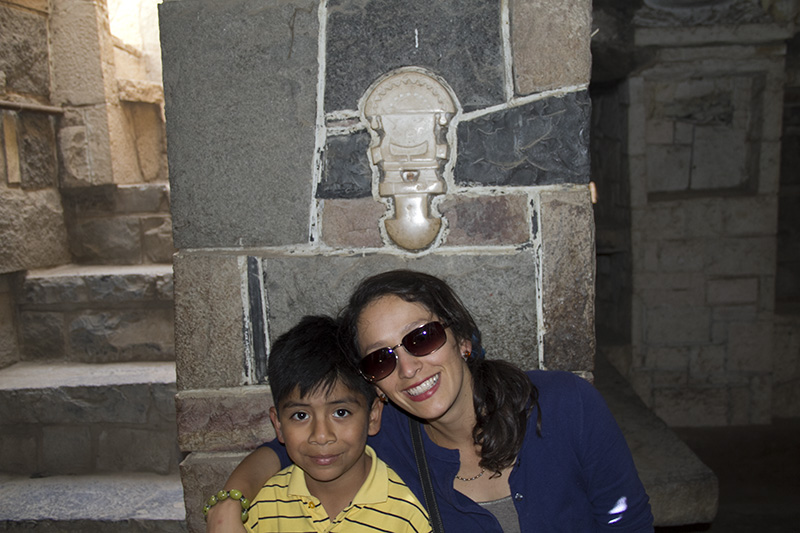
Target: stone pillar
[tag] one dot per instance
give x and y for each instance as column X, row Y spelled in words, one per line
column 276, row 209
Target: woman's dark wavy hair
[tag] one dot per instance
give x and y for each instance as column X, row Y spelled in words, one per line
column 503, row 395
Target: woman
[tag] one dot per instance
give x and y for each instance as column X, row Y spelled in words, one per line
column 508, row 450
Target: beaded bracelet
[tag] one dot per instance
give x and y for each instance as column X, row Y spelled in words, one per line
column 224, row 495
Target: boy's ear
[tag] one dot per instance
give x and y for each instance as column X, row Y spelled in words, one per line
column 276, row 423
column 375, row 414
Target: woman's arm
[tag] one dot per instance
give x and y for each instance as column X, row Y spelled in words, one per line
column 248, row 477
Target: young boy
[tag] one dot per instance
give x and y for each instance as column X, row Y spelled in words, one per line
column 323, row 412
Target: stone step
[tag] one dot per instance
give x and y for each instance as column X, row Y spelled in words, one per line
column 97, row 314
column 74, row 418
column 682, row 489
column 120, row 503
column 119, row 224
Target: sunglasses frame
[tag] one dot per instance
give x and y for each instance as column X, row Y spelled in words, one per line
column 433, row 326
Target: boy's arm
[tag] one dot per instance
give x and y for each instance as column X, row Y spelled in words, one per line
column 248, row 477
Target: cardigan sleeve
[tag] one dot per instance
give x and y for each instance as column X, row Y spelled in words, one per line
column 617, row 496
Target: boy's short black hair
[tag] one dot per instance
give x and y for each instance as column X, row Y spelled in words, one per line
column 309, row 357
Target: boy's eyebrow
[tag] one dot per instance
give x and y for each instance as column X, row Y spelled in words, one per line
column 335, row 401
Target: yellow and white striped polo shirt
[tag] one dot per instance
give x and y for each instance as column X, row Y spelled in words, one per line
column 383, row 503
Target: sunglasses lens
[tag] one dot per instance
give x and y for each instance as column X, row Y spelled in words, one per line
column 378, row 364
column 425, row 339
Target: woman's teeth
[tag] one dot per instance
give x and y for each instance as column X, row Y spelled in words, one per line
column 422, row 387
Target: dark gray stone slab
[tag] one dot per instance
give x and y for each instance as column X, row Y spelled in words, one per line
column 240, row 82
column 499, row 290
column 457, row 40
column 37, row 151
column 347, row 172
column 541, row 143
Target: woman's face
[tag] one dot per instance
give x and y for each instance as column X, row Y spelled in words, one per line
column 433, row 387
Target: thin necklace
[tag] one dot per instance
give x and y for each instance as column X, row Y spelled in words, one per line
column 473, row 478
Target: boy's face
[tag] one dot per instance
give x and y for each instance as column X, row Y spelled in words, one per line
column 325, row 434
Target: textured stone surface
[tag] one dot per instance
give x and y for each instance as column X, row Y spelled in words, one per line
column 9, row 344
column 24, row 61
column 138, row 450
column 568, row 277
column 499, row 290
column 203, row 474
column 81, row 54
column 84, row 143
column 540, row 143
column 352, row 223
column 114, row 241
column 106, row 336
column 227, row 419
column 42, row 335
column 119, row 504
column 347, row 172
column 37, row 151
column 367, row 39
column 32, row 226
column 240, row 82
column 487, row 220
column 550, row 43
column 209, row 344
column 157, row 246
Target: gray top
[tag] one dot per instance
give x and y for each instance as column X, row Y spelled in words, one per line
column 505, row 512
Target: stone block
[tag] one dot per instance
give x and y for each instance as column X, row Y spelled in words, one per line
column 67, row 450
column 707, row 365
column 691, row 406
column 741, row 256
column 121, row 335
column 499, row 290
column 224, row 419
column 660, row 131
column 50, row 290
column 152, row 449
column 568, row 279
column 148, row 198
column 9, row 344
column 85, row 147
column 202, row 474
column 352, row 223
column 42, row 335
column 668, row 358
column 209, row 340
column 719, row 158
column 108, row 241
column 27, row 70
column 540, row 143
column 82, row 67
column 750, row 347
column 487, row 220
column 367, row 39
column 157, row 244
column 677, row 325
column 681, row 256
column 752, row 215
column 37, row 151
column 240, row 176
column 668, row 168
column 733, row 291
column 347, row 172
column 34, row 234
column 19, row 449
column 550, row 43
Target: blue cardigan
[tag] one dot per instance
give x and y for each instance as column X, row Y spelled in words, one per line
column 578, row 476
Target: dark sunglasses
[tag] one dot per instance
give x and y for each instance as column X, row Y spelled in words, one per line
column 420, row 342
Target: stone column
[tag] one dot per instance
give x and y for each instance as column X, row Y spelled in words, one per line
column 275, row 205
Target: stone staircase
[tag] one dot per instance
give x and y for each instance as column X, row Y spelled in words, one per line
column 87, row 416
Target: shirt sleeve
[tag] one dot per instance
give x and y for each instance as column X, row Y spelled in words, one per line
column 280, row 450
column 618, row 499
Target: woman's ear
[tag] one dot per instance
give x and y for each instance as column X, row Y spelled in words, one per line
column 276, row 423
column 465, row 348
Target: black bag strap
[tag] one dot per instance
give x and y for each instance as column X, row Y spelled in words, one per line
column 425, row 476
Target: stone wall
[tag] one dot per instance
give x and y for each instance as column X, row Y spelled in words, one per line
column 703, row 147
column 276, row 208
